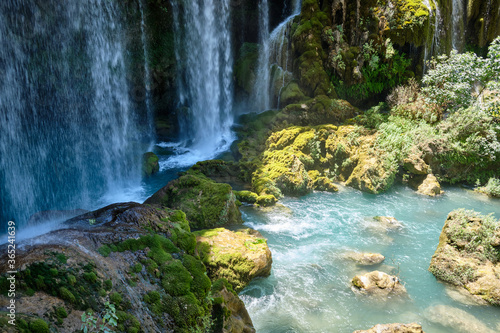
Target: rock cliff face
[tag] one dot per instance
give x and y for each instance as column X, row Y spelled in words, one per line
column 141, row 259
column 468, row 254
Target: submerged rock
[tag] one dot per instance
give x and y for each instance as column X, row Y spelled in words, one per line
column 378, row 284
column 458, row 320
column 467, row 255
column 365, row 258
column 387, row 222
column 237, row 256
column 393, row 328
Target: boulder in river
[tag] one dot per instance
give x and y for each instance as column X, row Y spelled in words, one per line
column 430, row 186
column 393, row 328
column 468, row 254
column 378, row 283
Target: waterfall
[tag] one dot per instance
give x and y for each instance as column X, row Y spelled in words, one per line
column 263, row 77
column 204, row 59
column 458, row 25
column 68, row 135
column 274, row 58
column 147, row 79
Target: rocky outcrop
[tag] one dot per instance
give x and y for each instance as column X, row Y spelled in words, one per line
column 139, row 258
column 378, row 284
column 394, row 328
column 467, row 254
column 297, row 160
column 207, row 204
column 237, row 256
column 365, row 258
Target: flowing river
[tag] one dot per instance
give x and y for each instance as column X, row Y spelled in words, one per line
column 309, row 287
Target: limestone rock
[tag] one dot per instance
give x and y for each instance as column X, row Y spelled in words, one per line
column 467, row 255
column 458, row 320
column 236, row 256
column 365, row 258
column 393, row 328
column 378, row 283
column 430, row 186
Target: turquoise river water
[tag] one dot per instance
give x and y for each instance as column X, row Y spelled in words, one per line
column 309, row 287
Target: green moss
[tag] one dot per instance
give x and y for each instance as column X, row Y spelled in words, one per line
column 108, row 285
column 90, row 277
column 102, row 292
column 150, row 164
column 137, row 268
column 39, row 326
column 246, row 196
column 116, row 298
column 67, row 295
column 61, row 312
column 201, row 283
column 176, row 278
column 104, row 250
column 205, row 202
column 152, row 297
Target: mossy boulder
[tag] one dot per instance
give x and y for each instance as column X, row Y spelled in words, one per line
column 246, row 196
column 207, row 204
column 246, row 66
column 291, row 94
column 150, row 164
column 468, row 254
column 430, row 186
column 237, row 256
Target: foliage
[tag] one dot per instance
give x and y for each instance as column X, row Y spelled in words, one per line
column 492, row 188
column 108, row 320
column 457, row 81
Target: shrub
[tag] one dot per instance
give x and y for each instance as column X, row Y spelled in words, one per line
column 492, row 188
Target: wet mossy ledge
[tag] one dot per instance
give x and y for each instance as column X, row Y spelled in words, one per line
column 142, row 259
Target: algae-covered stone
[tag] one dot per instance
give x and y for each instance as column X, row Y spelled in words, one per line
column 291, row 94
column 378, row 283
column 206, row 203
column 388, row 222
column 246, row 196
column 468, row 255
column 150, row 164
column 236, row 256
column 393, row 328
column 371, row 174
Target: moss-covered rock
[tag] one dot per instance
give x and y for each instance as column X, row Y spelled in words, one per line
column 246, row 66
column 246, row 196
column 237, row 256
column 468, row 254
column 150, row 164
column 207, row 204
column 430, row 186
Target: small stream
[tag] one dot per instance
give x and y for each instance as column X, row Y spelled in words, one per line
column 309, row 287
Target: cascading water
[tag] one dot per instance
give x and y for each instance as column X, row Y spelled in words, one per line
column 458, row 21
column 68, row 135
column 147, row 78
column 273, row 73
column 203, row 53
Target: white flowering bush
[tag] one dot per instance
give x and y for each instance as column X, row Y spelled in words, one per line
column 458, row 80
